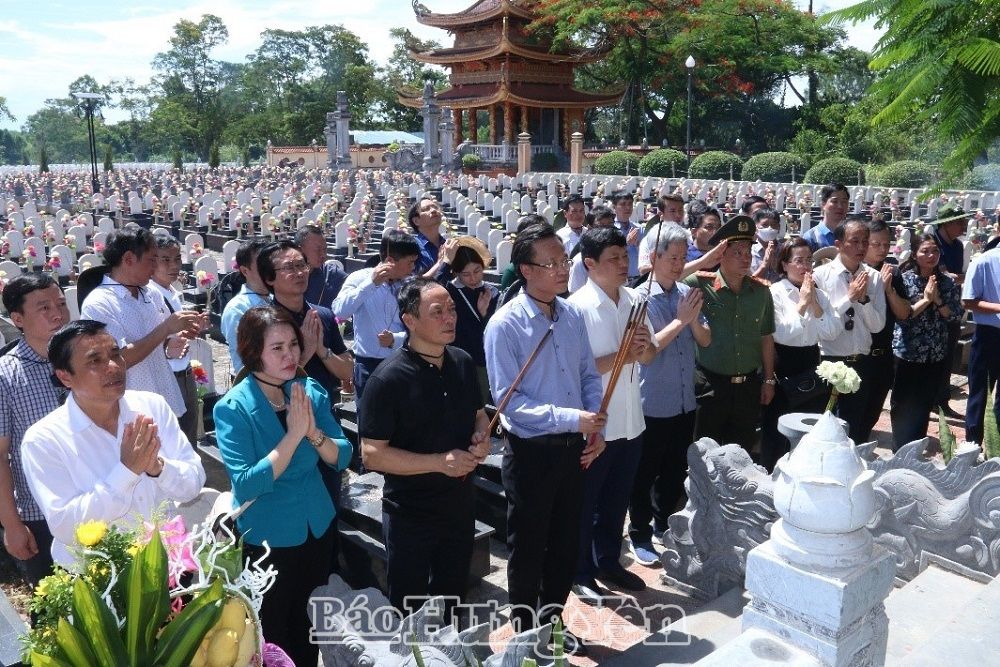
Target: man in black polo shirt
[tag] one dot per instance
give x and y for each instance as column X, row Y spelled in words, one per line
column 423, row 425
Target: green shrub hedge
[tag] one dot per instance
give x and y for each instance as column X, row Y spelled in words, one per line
column 780, row 167
column 663, row 162
column 904, row 174
column 716, row 164
column 835, row 170
column 617, row 163
column 544, row 162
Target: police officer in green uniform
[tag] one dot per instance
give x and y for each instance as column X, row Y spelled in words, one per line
column 739, row 362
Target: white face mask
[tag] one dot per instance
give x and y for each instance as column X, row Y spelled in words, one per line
column 767, row 234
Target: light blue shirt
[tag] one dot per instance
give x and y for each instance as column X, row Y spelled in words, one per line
column 244, row 300
column 562, row 381
column 632, row 250
column 983, row 282
column 818, row 237
column 667, row 383
column 374, row 310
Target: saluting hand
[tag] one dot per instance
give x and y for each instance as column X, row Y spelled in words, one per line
column 714, row 256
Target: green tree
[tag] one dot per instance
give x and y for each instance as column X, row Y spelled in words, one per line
column 4, row 110
column 213, row 156
column 192, row 87
column 43, row 161
column 937, row 61
column 109, row 164
column 402, row 72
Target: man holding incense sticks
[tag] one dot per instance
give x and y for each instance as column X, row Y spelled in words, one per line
column 553, row 407
column 609, row 309
column 739, row 362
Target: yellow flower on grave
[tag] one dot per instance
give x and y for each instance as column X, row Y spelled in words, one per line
column 90, row 533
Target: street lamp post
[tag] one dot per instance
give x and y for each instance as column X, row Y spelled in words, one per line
column 89, row 101
column 689, row 63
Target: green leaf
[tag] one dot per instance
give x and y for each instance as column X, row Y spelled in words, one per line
column 981, row 55
column 147, row 600
column 213, row 593
column 991, row 436
column 946, row 437
column 93, row 618
column 184, row 641
column 74, row 645
column 42, row 660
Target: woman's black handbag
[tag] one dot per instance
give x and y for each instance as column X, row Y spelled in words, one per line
column 802, row 387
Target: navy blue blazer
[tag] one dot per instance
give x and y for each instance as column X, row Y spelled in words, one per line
column 295, row 504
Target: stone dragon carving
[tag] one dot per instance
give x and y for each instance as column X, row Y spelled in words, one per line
column 952, row 512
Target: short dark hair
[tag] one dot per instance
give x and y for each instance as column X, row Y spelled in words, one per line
column 265, row 261
column 165, row 241
column 830, row 189
column 248, row 251
column 766, row 212
column 414, row 211
column 876, row 225
column 619, row 195
column 787, row 250
column 409, row 295
column 465, row 256
column 63, row 341
column 397, row 244
column 749, row 202
column 841, row 231
column 524, row 245
column 305, row 231
column 601, row 212
column 661, row 203
column 573, row 199
column 136, row 240
column 697, row 215
column 253, row 328
column 21, row 286
column 529, row 219
column 596, row 239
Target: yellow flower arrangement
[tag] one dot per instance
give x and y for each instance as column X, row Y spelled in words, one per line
column 90, row 533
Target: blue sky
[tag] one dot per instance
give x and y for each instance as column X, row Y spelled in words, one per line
column 45, row 45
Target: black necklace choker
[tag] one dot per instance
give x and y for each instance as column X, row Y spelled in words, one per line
column 269, row 384
column 551, row 304
column 429, row 356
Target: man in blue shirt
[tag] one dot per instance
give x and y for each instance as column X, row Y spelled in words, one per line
column 633, row 231
column 325, row 278
column 369, row 296
column 550, row 412
column 253, row 293
column 835, row 199
column 981, row 295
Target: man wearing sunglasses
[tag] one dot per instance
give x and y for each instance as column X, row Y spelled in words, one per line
column 857, row 295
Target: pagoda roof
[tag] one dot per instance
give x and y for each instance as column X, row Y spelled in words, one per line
column 480, row 11
column 503, row 47
column 523, row 94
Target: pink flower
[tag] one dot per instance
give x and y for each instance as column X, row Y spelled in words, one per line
column 32, row 252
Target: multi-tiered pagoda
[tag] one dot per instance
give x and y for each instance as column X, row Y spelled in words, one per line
column 499, row 66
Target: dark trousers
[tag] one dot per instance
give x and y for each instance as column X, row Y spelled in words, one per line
column 544, row 487
column 881, row 375
column 363, row 367
column 40, row 565
column 984, row 370
column 789, row 362
column 944, row 389
column 189, row 420
column 659, row 480
column 852, row 407
column 732, row 413
column 607, row 488
column 428, row 556
column 284, row 612
column 332, row 480
column 914, row 395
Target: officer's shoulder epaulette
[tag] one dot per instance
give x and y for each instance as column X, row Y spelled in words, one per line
column 705, row 275
column 761, row 281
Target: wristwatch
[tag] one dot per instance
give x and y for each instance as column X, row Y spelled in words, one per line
column 329, row 353
column 773, row 380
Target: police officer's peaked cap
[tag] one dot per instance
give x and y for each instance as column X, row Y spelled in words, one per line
column 739, row 228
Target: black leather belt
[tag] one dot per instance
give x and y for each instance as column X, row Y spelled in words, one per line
column 851, row 358
column 732, row 379
column 553, row 440
column 879, row 351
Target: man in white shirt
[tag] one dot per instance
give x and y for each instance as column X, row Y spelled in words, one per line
column 137, row 317
column 603, row 217
column 857, row 297
column 107, row 454
column 606, row 305
column 575, row 211
column 671, row 207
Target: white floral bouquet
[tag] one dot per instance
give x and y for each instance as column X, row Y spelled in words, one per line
column 843, row 379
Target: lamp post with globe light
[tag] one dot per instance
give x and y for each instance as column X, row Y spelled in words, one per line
column 689, row 63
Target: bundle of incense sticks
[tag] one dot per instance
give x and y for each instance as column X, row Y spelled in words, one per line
column 636, row 316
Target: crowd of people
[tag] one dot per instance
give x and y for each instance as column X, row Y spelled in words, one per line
column 96, row 415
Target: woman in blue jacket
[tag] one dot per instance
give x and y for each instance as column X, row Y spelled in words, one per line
column 272, row 428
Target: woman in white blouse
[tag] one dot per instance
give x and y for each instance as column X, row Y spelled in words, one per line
column 802, row 316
